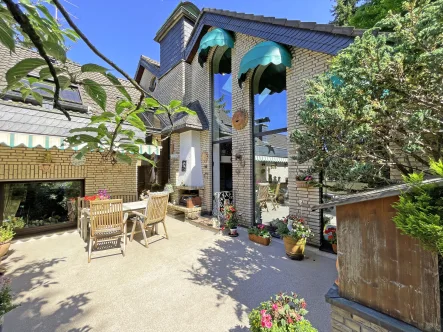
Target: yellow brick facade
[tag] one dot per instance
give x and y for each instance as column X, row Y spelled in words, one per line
column 25, row 164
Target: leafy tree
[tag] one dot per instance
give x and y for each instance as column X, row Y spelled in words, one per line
column 343, row 11
column 380, row 104
column 372, row 11
column 113, row 134
column 420, row 210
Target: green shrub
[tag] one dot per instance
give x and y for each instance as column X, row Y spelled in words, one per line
column 8, row 227
column 5, row 297
column 420, row 210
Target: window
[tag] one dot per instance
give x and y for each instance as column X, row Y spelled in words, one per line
column 222, row 116
column 40, row 203
column 153, row 84
column 70, row 94
column 270, row 156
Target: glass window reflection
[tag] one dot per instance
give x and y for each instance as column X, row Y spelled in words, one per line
column 222, row 119
column 270, row 110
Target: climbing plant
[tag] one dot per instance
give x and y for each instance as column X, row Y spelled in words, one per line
column 113, row 131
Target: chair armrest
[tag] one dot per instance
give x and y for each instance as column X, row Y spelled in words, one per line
column 125, row 218
column 138, row 214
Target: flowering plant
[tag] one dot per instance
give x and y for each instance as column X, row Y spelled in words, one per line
column 91, row 198
column 295, row 227
column 230, row 216
column 332, row 235
column 5, row 297
column 280, row 314
column 103, row 194
column 259, row 230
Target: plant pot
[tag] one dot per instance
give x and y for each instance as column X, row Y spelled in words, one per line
column 294, row 249
column 303, row 184
column 4, row 248
column 260, row 240
column 334, row 247
column 233, row 231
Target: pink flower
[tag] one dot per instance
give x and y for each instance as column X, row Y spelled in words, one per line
column 274, row 306
column 303, row 304
column 262, row 312
column 268, row 324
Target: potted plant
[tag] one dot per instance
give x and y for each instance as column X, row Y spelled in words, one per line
column 304, row 180
column 7, row 232
column 283, row 313
column 5, row 299
column 259, row 234
column 331, row 234
column 294, row 232
column 231, row 220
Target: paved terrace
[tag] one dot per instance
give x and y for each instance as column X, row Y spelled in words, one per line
column 196, row 281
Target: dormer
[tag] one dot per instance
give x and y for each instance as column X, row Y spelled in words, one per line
column 174, row 34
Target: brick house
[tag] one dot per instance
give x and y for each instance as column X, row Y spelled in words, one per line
column 226, row 64
column 37, row 173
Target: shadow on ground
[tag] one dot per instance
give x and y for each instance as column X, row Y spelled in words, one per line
column 38, row 275
column 250, row 274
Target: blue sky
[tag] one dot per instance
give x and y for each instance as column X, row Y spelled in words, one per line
column 123, row 30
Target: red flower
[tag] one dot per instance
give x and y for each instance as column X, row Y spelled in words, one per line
column 303, row 304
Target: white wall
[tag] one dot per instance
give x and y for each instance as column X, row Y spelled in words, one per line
column 191, row 152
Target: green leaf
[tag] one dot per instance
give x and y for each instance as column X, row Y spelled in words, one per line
column 151, row 102
column 135, row 121
column 25, row 92
column 37, row 97
column 118, row 85
column 123, row 158
column 142, row 157
column 7, row 35
column 84, row 138
column 104, row 117
column 129, row 147
column 46, row 12
column 185, row 110
column 71, row 34
column 175, row 103
column 121, row 105
column 22, row 69
column 96, row 92
column 128, row 133
column 93, row 68
column 55, row 50
column 45, row 73
column 160, row 111
column 64, row 81
column 85, row 129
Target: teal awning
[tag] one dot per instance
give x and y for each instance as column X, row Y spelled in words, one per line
column 271, row 60
column 216, row 37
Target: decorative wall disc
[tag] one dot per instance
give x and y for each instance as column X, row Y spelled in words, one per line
column 240, row 119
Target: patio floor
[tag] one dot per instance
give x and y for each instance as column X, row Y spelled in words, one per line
column 196, row 281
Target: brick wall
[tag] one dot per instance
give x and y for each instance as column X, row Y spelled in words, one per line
column 344, row 321
column 26, row 164
column 305, row 65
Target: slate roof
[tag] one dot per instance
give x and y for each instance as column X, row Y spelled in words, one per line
column 150, row 64
column 28, row 119
column 183, row 121
column 47, row 118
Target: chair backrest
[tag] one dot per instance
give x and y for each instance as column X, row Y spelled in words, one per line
column 81, row 204
column 156, row 207
column 106, row 214
column 125, row 196
column 277, row 189
column 263, row 192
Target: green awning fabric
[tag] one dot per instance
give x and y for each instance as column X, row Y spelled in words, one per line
column 270, row 60
column 216, row 37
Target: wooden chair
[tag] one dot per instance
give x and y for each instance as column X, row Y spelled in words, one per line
column 263, row 195
column 81, row 204
column 155, row 213
column 107, row 223
column 125, row 196
column 274, row 197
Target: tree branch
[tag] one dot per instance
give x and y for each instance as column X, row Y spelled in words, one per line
column 27, row 27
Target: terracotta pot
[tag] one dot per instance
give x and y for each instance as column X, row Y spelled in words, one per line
column 294, row 249
column 260, row 240
column 4, row 248
column 334, row 247
column 303, row 184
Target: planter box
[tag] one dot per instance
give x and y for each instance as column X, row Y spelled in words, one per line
column 303, row 184
column 260, row 240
